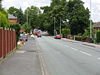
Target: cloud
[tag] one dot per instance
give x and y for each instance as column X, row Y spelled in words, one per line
column 95, row 8
column 25, row 3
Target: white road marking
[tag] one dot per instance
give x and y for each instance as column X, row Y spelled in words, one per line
column 86, row 53
column 74, row 48
column 67, row 46
column 80, row 51
column 42, row 64
column 98, row 58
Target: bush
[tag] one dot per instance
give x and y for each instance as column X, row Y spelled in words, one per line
column 17, row 29
column 98, row 37
column 65, row 32
column 26, row 27
column 4, row 21
column 78, row 38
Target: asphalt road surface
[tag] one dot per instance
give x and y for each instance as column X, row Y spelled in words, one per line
column 68, row 58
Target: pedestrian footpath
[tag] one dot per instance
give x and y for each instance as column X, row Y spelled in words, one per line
column 24, row 62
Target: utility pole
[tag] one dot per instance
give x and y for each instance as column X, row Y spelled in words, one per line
column 90, row 21
column 27, row 16
column 54, row 26
column 60, row 27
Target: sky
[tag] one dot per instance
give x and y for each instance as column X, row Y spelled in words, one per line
column 95, row 5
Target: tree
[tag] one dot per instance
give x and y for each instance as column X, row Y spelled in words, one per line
column 0, row 4
column 78, row 16
column 32, row 15
column 55, row 2
column 3, row 17
column 4, row 21
column 55, row 10
column 13, row 11
column 20, row 16
column 26, row 27
column 18, row 13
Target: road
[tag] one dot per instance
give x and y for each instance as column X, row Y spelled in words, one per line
column 68, row 58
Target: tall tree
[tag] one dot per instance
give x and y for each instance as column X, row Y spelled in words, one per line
column 78, row 16
column 0, row 4
column 14, row 11
column 21, row 17
column 32, row 14
column 18, row 13
column 55, row 13
column 55, row 2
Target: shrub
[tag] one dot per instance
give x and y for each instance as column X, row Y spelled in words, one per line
column 26, row 27
column 98, row 37
column 78, row 38
column 17, row 28
column 65, row 32
column 4, row 21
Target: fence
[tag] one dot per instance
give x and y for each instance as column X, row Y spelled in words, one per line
column 7, row 42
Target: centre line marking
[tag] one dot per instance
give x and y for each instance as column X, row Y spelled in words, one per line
column 86, row 53
column 67, row 46
column 98, row 58
column 74, row 48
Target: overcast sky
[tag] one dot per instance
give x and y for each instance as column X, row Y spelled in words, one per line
column 26, row 3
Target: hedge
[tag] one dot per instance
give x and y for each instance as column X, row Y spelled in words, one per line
column 98, row 37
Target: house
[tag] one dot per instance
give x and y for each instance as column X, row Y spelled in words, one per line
column 96, row 26
column 12, row 19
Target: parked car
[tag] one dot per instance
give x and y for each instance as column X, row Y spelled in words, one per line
column 38, row 35
column 57, row 37
column 23, row 38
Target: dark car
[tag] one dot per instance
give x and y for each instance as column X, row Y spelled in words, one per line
column 57, row 37
column 23, row 38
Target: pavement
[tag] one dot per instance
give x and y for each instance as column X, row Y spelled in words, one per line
column 49, row 56
column 24, row 62
column 84, row 43
column 69, row 58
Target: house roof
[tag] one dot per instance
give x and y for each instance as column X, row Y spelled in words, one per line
column 96, row 25
column 10, row 16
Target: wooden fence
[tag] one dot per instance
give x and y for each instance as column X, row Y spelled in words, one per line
column 7, row 42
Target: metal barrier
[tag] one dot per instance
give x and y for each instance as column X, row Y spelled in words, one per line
column 7, row 42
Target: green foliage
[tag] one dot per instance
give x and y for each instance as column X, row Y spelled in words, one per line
column 4, row 21
column 78, row 16
column 13, row 10
column 0, row 4
column 98, row 37
column 17, row 29
column 32, row 16
column 20, row 16
column 78, row 38
column 72, row 10
column 18, row 13
column 26, row 27
column 65, row 32
column 86, row 33
column 55, row 2
column 55, row 10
